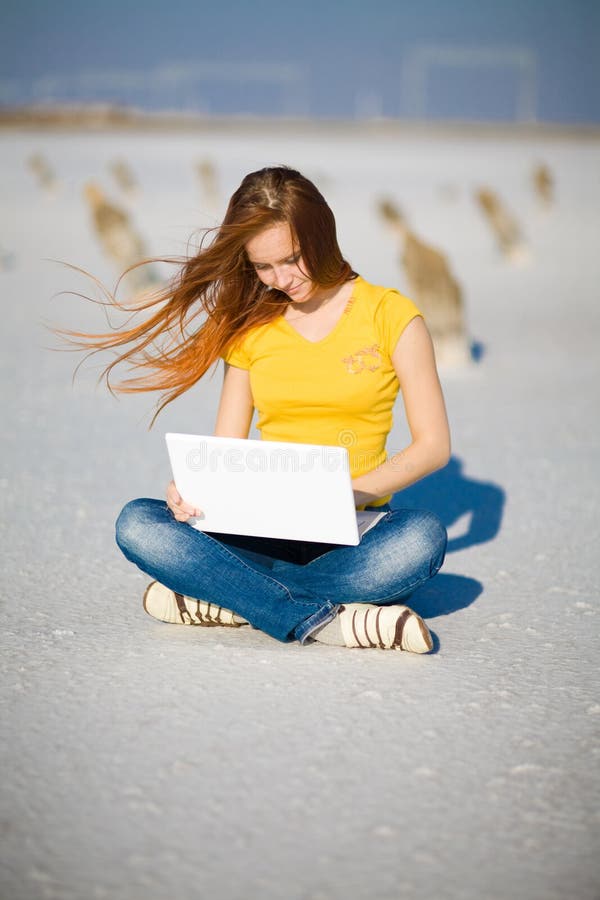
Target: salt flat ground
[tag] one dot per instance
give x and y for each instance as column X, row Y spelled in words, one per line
column 143, row 761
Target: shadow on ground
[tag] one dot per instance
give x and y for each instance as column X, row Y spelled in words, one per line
column 445, row 594
column 453, row 497
column 474, row 509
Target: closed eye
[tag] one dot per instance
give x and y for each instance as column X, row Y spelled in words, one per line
column 291, row 261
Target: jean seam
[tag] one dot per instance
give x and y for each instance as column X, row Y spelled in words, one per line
column 329, row 613
column 229, row 553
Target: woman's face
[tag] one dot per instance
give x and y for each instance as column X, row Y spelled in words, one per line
column 276, row 259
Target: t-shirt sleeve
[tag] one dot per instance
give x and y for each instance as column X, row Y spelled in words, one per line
column 237, row 356
column 394, row 313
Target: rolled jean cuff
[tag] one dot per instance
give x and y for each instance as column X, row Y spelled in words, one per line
column 303, row 631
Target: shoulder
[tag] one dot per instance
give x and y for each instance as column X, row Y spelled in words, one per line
column 388, row 310
column 385, row 301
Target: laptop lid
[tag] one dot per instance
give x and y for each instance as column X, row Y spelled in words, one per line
column 266, row 488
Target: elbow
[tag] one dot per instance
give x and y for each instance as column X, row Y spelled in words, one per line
column 438, row 462
column 445, row 451
column 444, row 459
column 439, row 454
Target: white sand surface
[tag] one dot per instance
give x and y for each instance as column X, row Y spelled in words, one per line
column 143, row 761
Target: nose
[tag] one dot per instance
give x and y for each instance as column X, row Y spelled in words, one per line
column 281, row 279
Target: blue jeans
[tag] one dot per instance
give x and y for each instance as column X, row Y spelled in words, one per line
column 285, row 588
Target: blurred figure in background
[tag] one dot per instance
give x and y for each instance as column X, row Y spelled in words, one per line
column 434, row 289
column 119, row 240
column 207, row 176
column 504, row 226
column 543, row 184
column 43, row 172
column 123, row 175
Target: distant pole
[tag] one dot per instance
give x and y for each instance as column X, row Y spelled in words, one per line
column 368, row 105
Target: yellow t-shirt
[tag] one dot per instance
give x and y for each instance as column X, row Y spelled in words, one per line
column 338, row 391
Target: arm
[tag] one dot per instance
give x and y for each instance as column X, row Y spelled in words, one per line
column 414, row 361
column 233, row 420
column 236, row 406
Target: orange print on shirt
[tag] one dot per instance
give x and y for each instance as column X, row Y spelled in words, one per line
column 366, row 360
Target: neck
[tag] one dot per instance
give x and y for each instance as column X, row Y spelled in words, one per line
column 322, row 297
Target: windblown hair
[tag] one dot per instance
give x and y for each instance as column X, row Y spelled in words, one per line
column 220, row 287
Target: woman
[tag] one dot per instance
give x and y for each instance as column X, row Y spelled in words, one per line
column 320, row 353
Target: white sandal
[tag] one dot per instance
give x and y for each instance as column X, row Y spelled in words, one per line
column 168, row 606
column 385, row 627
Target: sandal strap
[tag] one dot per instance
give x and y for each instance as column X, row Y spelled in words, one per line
column 400, row 628
column 184, row 612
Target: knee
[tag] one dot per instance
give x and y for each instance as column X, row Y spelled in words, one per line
column 432, row 538
column 132, row 523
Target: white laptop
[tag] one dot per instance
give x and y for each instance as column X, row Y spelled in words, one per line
column 268, row 488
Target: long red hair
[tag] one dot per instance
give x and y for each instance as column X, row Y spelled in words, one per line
column 219, row 287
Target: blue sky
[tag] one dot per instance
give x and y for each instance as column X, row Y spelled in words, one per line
column 352, row 57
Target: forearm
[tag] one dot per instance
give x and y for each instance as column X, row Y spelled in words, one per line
column 400, row 470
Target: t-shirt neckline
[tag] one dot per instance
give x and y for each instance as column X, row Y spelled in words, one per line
column 343, row 318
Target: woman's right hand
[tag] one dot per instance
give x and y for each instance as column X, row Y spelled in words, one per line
column 181, row 510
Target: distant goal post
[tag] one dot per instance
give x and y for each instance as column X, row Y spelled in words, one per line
column 421, row 61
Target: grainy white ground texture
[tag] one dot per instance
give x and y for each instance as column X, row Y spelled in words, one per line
column 143, row 761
